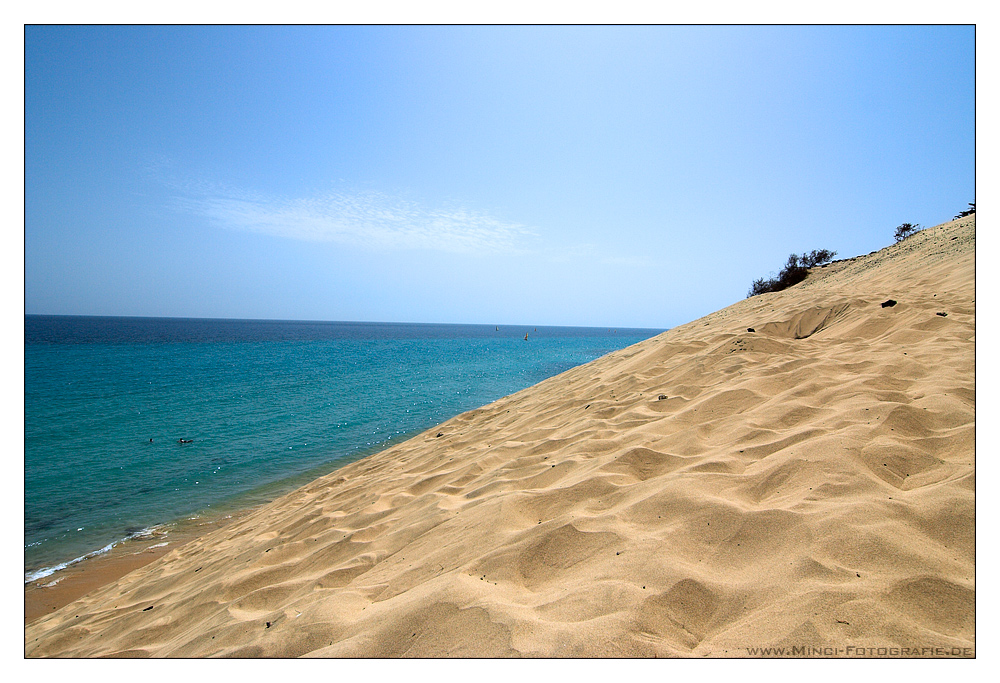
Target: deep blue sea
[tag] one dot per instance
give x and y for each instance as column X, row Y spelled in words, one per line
column 266, row 406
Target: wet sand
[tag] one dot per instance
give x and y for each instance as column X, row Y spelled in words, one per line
column 66, row 585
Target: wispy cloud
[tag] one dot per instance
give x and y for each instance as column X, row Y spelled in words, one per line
column 367, row 219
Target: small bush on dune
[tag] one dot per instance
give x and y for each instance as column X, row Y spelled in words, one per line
column 759, row 286
column 905, row 230
column 817, row 257
column 793, row 272
column 968, row 212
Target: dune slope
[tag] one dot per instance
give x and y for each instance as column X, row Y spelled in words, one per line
column 807, row 484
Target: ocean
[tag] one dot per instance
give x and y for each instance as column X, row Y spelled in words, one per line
column 261, row 406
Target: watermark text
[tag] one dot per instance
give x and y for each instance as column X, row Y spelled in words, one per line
column 856, row 651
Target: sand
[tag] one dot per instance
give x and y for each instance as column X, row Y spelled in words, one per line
column 706, row 492
column 49, row 593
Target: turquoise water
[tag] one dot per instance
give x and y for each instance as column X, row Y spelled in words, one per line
column 263, row 403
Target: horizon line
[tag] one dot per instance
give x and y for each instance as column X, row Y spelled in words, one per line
column 349, row 322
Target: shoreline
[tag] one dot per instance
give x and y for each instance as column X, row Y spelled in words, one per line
column 64, row 586
column 76, row 577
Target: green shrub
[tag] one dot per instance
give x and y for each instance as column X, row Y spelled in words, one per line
column 817, row 257
column 793, row 272
column 905, row 230
column 967, row 212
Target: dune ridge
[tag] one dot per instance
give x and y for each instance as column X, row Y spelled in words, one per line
column 808, row 484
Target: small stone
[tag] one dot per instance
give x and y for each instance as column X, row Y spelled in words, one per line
column 943, row 315
column 661, row 397
column 750, row 329
column 889, row 303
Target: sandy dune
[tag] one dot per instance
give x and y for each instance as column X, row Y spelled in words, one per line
column 808, row 484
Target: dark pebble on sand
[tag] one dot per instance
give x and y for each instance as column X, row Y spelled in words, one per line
column 147, row 608
column 943, row 315
column 750, row 329
column 888, row 304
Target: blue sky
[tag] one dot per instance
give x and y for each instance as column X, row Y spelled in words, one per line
column 606, row 176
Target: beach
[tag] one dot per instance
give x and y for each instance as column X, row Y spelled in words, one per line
column 62, row 587
column 793, row 475
column 138, row 428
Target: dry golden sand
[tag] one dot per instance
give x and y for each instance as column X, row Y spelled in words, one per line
column 809, row 484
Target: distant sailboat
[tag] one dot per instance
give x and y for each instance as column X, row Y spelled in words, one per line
column 525, row 336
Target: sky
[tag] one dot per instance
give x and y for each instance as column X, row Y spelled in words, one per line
column 638, row 176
